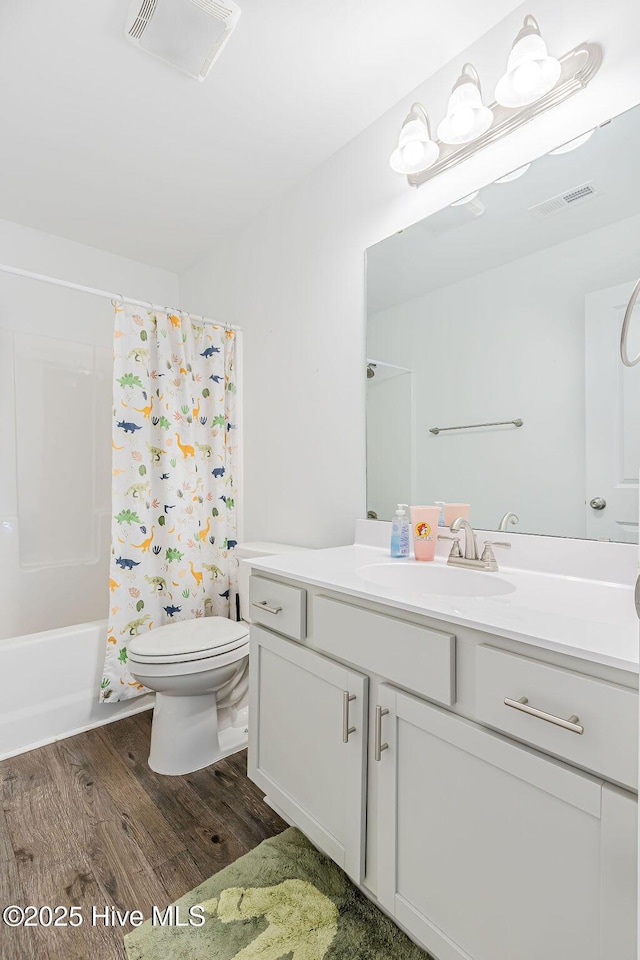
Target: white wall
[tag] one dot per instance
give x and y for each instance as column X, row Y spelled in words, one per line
column 55, row 430
column 513, row 345
column 294, row 277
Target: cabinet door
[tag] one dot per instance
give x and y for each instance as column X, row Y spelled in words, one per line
column 307, row 744
column 489, row 850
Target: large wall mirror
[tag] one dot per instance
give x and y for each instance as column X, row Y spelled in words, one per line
column 493, row 369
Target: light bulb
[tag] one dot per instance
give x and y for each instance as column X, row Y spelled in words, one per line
column 462, row 121
column 413, row 152
column 531, row 72
column 526, row 76
column 416, row 151
column 467, row 118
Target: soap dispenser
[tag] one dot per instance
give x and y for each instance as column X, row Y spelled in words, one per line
column 400, row 532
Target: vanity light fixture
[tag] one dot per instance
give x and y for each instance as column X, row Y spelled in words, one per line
column 531, row 72
column 518, row 172
column 533, row 83
column 572, row 144
column 467, row 117
column 416, row 151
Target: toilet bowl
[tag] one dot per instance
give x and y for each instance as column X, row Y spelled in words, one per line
column 199, row 672
column 190, row 665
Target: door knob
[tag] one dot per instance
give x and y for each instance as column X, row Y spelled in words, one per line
column 598, row 503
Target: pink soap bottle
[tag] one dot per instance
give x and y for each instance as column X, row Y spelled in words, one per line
column 424, row 526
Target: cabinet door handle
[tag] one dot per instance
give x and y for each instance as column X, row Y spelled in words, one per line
column 346, row 729
column 523, row 705
column 263, row 605
column 379, row 746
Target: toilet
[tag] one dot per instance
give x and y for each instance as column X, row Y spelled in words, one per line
column 199, row 670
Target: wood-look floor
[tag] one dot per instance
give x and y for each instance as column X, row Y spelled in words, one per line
column 85, row 822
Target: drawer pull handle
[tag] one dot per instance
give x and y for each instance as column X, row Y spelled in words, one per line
column 523, row 705
column 263, row 605
column 346, row 729
column 379, row 745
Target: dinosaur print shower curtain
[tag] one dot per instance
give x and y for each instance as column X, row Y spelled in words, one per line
column 174, row 457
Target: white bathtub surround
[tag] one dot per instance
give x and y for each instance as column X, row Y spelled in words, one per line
column 569, row 596
column 55, row 390
column 54, row 598
column 48, row 684
column 175, row 442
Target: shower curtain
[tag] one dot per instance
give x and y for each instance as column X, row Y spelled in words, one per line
column 175, row 444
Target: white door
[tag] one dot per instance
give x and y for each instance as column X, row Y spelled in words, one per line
column 491, row 851
column 612, row 404
column 389, row 439
column 307, row 744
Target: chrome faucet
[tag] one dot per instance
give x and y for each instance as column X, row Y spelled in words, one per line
column 471, row 557
column 509, row 518
column 470, row 542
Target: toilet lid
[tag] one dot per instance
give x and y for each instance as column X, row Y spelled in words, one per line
column 190, row 639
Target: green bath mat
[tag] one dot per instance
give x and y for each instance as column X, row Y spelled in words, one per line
column 282, row 901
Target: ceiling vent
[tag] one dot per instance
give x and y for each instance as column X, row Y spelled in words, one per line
column 188, row 34
column 586, row 191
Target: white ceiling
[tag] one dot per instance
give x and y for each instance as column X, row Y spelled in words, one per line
column 103, row 144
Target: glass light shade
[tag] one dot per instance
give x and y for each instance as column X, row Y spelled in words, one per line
column 467, row 117
column 416, row 151
column 518, row 172
column 531, row 72
column 573, row 144
column 461, row 202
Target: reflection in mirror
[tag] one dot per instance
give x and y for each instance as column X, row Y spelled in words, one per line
column 494, row 375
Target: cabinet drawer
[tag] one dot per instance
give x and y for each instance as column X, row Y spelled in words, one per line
column 415, row 657
column 278, row 606
column 606, row 713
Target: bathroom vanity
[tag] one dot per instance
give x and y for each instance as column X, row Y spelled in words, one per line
column 464, row 742
column 469, row 758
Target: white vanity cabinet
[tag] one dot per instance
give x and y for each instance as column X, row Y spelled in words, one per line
column 489, row 850
column 490, row 833
column 308, row 744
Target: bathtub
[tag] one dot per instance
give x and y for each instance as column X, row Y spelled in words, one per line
column 49, row 685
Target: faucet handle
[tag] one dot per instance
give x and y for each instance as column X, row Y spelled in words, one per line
column 455, row 549
column 488, row 545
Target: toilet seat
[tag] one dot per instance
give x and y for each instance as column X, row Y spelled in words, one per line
column 203, row 638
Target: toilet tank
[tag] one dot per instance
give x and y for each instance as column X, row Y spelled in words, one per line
column 244, row 553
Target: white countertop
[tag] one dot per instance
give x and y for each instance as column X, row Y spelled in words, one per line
column 590, row 619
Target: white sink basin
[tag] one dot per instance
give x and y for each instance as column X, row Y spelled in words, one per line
column 434, row 579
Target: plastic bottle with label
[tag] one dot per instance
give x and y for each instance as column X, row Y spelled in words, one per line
column 400, row 532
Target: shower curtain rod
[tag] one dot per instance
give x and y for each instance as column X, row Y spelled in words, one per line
column 4, row 268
